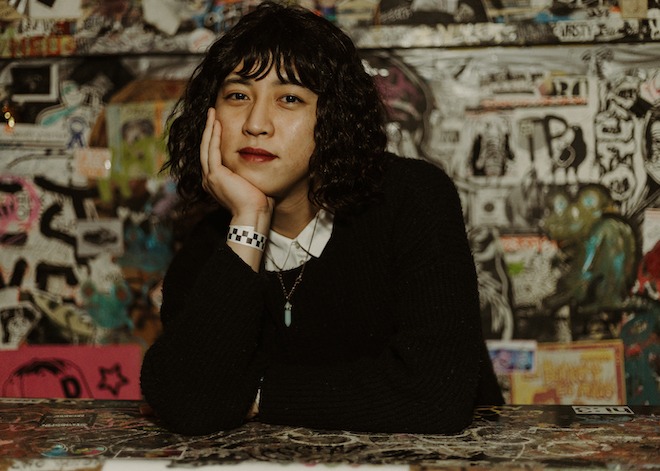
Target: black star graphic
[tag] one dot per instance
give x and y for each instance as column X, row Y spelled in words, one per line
column 112, row 379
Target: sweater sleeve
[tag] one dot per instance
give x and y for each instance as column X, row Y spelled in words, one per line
column 427, row 378
column 202, row 373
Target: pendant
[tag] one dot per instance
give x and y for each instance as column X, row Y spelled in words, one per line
column 287, row 314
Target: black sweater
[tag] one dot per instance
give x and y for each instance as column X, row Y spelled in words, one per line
column 385, row 335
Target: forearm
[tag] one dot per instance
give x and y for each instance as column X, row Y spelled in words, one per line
column 203, row 371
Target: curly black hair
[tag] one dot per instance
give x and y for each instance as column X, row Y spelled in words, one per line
column 347, row 165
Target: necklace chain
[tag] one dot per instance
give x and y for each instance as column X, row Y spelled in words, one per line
column 279, row 268
column 288, row 307
column 287, row 297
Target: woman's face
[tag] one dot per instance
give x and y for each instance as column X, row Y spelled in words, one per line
column 268, row 133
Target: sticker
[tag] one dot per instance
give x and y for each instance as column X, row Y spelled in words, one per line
column 56, row 451
column 634, row 8
column 603, row 410
column 512, row 355
column 73, row 371
column 34, row 82
column 650, row 229
column 93, row 162
column 87, row 450
column 68, row 420
column 99, row 236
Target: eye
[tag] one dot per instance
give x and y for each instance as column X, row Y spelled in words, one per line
column 291, row 99
column 236, row 96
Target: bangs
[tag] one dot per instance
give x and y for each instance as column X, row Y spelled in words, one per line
column 293, row 64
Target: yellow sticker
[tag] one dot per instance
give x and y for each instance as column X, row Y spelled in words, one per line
column 634, row 8
column 93, row 162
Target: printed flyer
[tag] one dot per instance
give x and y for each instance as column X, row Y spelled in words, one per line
column 573, row 373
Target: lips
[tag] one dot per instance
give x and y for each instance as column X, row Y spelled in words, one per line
column 251, row 154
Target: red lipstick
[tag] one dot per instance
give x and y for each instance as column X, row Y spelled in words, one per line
column 252, row 154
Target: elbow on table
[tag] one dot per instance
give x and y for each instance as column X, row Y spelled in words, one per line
column 185, row 419
column 184, row 406
column 442, row 409
column 444, row 419
column 430, row 420
column 185, row 413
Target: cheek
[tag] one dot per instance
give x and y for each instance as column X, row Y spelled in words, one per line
column 304, row 135
column 229, row 158
column 228, row 130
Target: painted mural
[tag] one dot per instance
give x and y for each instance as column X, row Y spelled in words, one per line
column 552, row 141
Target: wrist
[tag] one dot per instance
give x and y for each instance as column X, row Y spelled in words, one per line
column 247, row 236
column 258, row 220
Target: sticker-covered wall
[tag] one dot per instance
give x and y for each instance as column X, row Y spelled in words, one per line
column 544, row 113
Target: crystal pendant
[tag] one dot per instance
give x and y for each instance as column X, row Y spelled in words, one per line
column 287, row 314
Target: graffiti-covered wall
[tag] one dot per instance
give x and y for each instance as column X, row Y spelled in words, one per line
column 555, row 154
column 544, row 113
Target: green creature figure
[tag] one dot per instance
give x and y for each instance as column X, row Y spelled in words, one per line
column 600, row 252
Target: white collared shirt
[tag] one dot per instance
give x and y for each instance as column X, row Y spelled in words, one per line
column 283, row 253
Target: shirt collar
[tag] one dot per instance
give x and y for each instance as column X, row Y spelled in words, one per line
column 283, row 253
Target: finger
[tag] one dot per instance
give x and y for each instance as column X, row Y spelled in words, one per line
column 215, row 156
column 204, row 144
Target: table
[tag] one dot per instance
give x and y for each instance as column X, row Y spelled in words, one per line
column 61, row 434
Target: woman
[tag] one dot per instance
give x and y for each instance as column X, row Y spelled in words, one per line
column 333, row 287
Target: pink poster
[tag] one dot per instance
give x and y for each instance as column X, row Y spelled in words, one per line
column 68, row 371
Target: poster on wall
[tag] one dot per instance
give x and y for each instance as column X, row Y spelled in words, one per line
column 136, row 137
column 575, row 373
column 71, row 371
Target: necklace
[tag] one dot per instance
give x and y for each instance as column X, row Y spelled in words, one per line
column 287, row 296
column 288, row 307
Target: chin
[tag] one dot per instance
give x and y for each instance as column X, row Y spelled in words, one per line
column 262, row 185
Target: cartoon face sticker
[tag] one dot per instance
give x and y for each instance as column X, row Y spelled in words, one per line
column 49, row 377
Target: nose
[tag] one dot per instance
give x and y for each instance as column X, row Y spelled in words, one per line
column 258, row 120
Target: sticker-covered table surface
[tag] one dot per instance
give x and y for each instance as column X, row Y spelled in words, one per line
column 58, row 434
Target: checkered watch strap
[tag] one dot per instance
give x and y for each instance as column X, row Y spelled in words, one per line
column 246, row 235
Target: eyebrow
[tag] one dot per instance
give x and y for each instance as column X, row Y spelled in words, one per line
column 237, row 79
column 234, row 79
